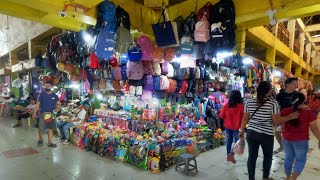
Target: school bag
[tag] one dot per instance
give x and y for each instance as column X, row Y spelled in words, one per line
column 170, row 71
column 122, row 17
column 156, row 68
column 189, row 25
column 164, row 82
column 147, row 67
column 205, row 11
column 135, row 53
column 186, row 46
column 164, row 68
column 135, row 70
column 117, row 73
column 156, row 82
column 169, row 54
column 123, row 40
column 104, row 47
column 184, row 87
column 148, row 82
column 146, row 47
column 94, row 61
column 202, row 33
column 157, row 54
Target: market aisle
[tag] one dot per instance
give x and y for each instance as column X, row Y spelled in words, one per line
column 69, row 162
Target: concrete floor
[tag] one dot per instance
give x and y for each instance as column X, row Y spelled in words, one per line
column 70, row 162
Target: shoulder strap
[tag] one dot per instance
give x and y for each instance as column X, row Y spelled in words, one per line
column 254, row 112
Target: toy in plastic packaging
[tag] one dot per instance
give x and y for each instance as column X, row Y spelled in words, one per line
column 238, row 147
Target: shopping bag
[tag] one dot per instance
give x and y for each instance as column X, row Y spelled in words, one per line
column 166, row 32
column 238, row 147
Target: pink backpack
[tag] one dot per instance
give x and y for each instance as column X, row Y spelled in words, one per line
column 156, row 69
column 146, row 47
column 164, row 68
column 147, row 67
column 164, row 82
column 135, row 70
column 202, row 33
column 117, row 73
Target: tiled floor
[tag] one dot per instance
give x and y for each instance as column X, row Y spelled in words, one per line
column 69, row 162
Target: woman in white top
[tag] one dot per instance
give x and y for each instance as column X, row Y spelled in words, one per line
column 25, row 113
column 262, row 113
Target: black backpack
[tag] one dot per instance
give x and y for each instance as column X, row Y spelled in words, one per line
column 123, row 16
column 189, row 25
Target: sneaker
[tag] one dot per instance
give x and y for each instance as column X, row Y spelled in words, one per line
column 62, row 139
column 277, row 151
column 52, row 145
column 231, row 158
column 16, row 125
column 40, row 143
column 66, row 142
column 36, row 126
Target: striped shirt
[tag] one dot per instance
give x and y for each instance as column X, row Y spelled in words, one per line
column 261, row 121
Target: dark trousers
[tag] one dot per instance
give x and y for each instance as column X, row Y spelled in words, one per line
column 255, row 140
column 22, row 116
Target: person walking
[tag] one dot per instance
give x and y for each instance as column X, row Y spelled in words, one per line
column 284, row 98
column 232, row 113
column 296, row 136
column 261, row 113
column 46, row 103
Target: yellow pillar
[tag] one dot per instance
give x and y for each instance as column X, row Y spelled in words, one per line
column 298, row 71
column 308, row 50
column 292, row 29
column 241, row 41
column 271, row 56
column 302, row 36
column 288, row 65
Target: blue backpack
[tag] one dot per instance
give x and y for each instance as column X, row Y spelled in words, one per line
column 108, row 11
column 104, row 47
column 135, row 53
column 156, row 82
column 124, row 72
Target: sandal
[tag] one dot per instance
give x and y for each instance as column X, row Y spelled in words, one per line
column 40, row 143
column 16, row 125
column 52, row 145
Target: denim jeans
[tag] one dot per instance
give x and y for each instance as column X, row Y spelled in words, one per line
column 232, row 136
column 255, row 140
column 295, row 151
column 64, row 129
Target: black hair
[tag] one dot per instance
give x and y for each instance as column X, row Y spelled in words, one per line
column 263, row 89
column 296, row 100
column 290, row 80
column 49, row 82
column 234, row 99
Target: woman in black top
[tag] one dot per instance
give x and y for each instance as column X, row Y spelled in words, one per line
column 261, row 113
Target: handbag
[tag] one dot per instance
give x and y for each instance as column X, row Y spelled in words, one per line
column 166, row 33
column 47, row 117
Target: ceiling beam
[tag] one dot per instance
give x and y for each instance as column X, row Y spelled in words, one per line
column 316, row 39
column 314, row 27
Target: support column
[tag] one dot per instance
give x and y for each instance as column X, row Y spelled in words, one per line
column 271, row 56
column 29, row 49
column 241, row 41
column 308, row 49
column 288, row 65
column 298, row 71
column 302, row 36
column 292, row 29
column 275, row 30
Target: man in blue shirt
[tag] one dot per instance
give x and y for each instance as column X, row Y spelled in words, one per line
column 46, row 103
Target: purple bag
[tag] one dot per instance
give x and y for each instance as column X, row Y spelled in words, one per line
column 148, row 82
column 156, row 82
column 164, row 68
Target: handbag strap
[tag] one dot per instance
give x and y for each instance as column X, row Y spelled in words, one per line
column 254, row 112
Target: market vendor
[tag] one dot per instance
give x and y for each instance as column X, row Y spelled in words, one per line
column 25, row 113
column 66, row 123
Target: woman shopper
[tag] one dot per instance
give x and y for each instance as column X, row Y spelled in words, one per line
column 296, row 136
column 232, row 113
column 261, row 113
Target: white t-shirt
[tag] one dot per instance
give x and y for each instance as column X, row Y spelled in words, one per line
column 81, row 115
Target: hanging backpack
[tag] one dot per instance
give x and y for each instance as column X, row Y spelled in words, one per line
column 184, row 87
column 205, row 11
column 202, row 33
column 135, row 53
column 164, row 82
column 169, row 54
column 123, row 40
column 193, row 73
column 107, row 12
column 179, row 72
column 135, row 70
column 148, row 82
column 117, row 73
column 189, row 25
column 170, row 71
column 104, row 47
column 186, row 46
column 156, row 69
column 123, row 17
column 147, row 67
column 172, row 86
column 157, row 54
column 164, row 68
column 123, row 59
column 94, row 61
column 156, row 82
column 146, row 95
column 146, row 47
column 124, row 72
